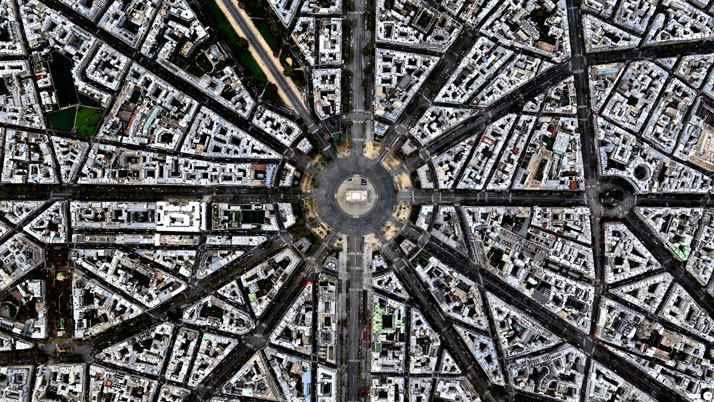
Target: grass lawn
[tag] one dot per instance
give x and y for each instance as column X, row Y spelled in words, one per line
column 251, row 66
column 230, row 37
column 298, row 79
column 63, row 120
column 204, row 64
column 254, row 8
column 87, row 120
column 421, row 259
column 264, row 29
column 271, row 94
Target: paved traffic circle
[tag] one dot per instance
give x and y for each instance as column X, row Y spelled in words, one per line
column 356, row 195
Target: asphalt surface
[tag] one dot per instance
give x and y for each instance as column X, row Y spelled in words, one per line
column 340, row 222
column 554, row 75
column 340, row 170
column 356, row 369
column 295, row 100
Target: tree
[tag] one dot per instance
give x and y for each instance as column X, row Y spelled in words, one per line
column 242, row 43
column 289, row 71
column 275, row 29
column 271, row 93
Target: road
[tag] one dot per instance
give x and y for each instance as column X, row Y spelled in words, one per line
column 553, row 323
column 360, row 38
column 162, row 72
column 295, row 99
column 267, row 61
column 354, row 326
column 552, row 76
column 525, row 197
column 442, row 325
column 357, row 369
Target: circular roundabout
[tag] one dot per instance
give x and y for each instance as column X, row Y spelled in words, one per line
column 356, row 195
